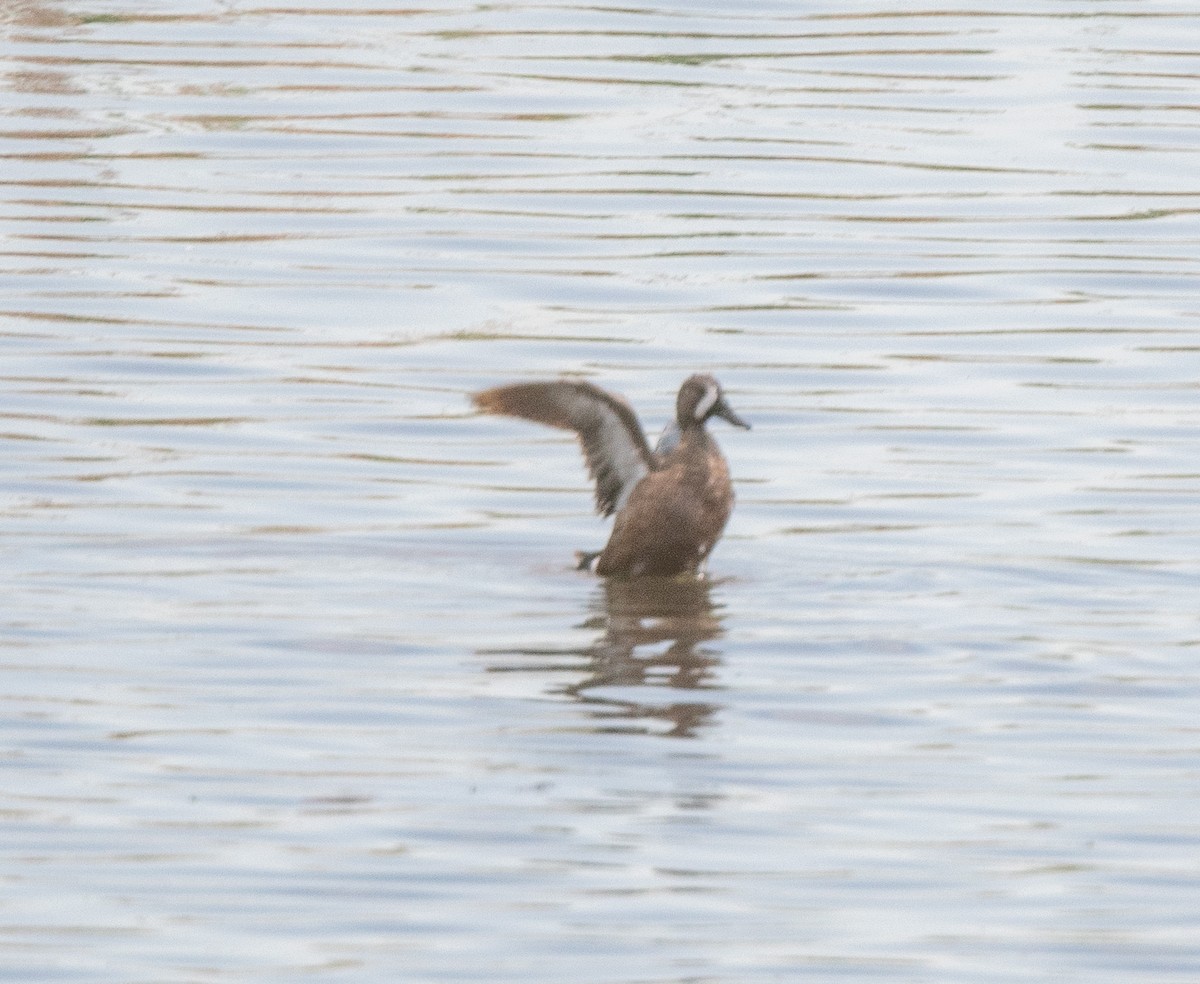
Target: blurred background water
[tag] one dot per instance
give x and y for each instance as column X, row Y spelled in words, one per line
column 298, row 682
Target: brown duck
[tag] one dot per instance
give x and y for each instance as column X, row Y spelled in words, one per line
column 671, row 503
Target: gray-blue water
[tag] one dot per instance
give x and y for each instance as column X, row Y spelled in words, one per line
column 297, row 681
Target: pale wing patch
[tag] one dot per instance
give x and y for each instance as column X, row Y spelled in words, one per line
column 616, row 461
column 668, row 440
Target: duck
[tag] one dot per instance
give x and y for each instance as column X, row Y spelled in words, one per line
column 672, row 502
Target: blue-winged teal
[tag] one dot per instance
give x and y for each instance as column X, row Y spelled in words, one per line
column 671, row 503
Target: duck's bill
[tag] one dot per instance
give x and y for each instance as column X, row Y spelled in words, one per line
column 726, row 412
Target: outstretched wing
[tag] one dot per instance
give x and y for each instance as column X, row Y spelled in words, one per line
column 613, row 444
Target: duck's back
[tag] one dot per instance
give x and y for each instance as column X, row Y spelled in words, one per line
column 675, row 514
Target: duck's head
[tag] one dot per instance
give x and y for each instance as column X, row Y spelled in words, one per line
column 700, row 397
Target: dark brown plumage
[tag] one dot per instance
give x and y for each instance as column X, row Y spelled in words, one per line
column 671, row 504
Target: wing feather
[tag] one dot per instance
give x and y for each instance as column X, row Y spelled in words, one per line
column 613, row 444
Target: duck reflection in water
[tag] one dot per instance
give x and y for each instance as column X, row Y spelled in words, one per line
column 651, row 634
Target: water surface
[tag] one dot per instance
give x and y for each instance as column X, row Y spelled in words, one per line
column 297, row 680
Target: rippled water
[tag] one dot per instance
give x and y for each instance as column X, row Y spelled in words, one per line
column 297, row 680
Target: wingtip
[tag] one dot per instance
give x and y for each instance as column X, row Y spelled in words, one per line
column 586, row 560
column 536, row 401
column 499, row 400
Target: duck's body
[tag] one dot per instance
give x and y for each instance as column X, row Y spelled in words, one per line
column 672, row 503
